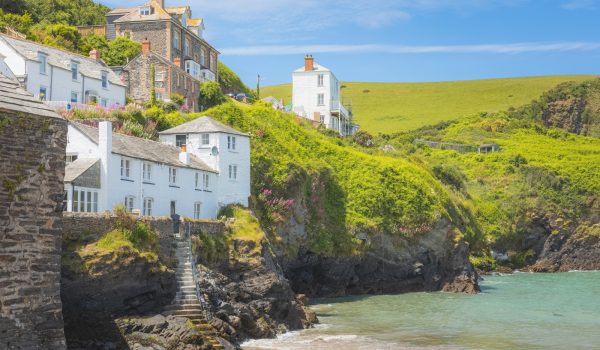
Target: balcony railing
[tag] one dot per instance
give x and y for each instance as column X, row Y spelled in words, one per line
column 337, row 106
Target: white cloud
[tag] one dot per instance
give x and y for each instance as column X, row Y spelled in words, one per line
column 277, row 19
column 271, row 50
column 580, row 5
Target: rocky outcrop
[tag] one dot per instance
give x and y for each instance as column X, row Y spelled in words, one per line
column 249, row 294
column 430, row 262
column 564, row 252
column 160, row 333
column 98, row 287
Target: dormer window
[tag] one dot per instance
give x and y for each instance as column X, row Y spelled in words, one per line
column 145, row 11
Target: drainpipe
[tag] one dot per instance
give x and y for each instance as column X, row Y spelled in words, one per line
column 83, row 89
column 141, row 187
column 51, row 80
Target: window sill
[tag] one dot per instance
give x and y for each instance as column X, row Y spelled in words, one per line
column 149, row 183
column 126, row 179
column 232, row 151
column 209, row 191
column 173, row 186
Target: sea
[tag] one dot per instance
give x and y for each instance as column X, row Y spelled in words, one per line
column 517, row 311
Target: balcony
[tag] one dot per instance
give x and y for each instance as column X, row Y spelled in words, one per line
column 338, row 108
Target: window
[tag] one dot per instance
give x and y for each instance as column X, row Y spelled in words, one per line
column 192, row 68
column 104, row 80
column 203, row 57
column 85, row 201
column 320, row 80
column 176, row 40
column 159, row 96
column 197, row 181
column 186, row 47
column 145, row 11
column 128, row 203
column 71, row 158
column 74, row 97
column 148, row 204
column 322, row 118
column 125, row 168
column 233, row 172
column 147, row 171
column 320, row 99
column 197, row 208
column 212, row 62
column 180, row 140
column 74, row 70
column 205, row 180
column 43, row 62
column 104, row 102
column 42, row 93
column 172, row 176
column 205, row 139
column 231, row 143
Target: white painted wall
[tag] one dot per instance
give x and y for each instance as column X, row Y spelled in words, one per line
column 184, row 192
column 15, row 61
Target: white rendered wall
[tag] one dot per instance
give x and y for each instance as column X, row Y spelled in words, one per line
column 13, row 60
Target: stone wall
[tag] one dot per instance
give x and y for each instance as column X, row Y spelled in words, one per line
column 31, row 192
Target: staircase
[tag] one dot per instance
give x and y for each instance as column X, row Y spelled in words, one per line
column 187, row 302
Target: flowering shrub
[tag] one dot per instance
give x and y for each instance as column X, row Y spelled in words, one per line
column 275, row 209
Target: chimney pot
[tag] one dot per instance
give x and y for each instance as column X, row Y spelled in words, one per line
column 309, row 63
column 146, row 46
column 177, row 61
column 95, row 54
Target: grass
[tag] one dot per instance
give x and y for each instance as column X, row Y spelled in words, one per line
column 393, row 107
column 245, row 226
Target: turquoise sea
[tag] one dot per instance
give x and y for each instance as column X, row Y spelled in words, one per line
column 518, row 311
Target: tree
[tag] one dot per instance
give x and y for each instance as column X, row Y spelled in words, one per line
column 153, row 92
column 94, row 41
column 210, row 95
column 230, row 82
column 59, row 35
column 121, row 50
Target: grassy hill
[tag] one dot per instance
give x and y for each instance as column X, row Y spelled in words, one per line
column 392, row 107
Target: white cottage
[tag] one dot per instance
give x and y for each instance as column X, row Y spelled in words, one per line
column 60, row 77
column 316, row 95
column 105, row 169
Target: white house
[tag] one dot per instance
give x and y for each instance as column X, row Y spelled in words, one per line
column 62, row 78
column 158, row 179
column 5, row 70
column 223, row 148
column 316, row 96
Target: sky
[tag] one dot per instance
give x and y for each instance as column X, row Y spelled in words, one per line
column 401, row 40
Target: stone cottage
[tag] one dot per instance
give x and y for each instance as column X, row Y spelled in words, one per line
column 32, row 143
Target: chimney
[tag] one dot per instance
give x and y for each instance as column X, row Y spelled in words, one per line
column 95, row 54
column 161, row 3
column 146, row 47
column 184, row 156
column 309, row 63
column 177, row 61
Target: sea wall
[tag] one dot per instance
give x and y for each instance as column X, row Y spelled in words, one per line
column 31, row 191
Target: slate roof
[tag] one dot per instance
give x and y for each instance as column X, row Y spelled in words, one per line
column 139, row 148
column 60, row 58
column 78, row 167
column 119, row 11
column 200, row 125
column 14, row 98
column 134, row 14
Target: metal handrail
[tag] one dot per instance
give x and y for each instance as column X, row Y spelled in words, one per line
column 196, row 275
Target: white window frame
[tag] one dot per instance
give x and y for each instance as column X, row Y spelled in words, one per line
column 129, row 202
column 145, row 11
column 147, row 172
column 176, row 40
column 76, row 95
column 84, row 200
column 197, row 210
column 74, row 71
column 43, row 58
column 231, row 143
column 125, row 168
column 71, row 158
column 205, row 139
column 233, row 172
column 320, row 80
column 172, row 176
column 104, row 103
column 197, row 184
column 148, row 206
column 320, row 99
column 206, row 182
column 104, row 78
column 186, row 46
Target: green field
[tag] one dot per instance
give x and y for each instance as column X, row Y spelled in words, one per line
column 391, row 107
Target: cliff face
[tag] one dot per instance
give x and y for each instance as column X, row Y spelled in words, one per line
column 249, row 295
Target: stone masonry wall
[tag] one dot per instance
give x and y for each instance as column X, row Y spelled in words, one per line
column 158, row 33
column 32, row 166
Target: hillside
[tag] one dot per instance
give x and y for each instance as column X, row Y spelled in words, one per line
column 393, row 107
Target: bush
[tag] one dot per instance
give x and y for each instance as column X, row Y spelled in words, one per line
column 450, row 175
column 210, row 95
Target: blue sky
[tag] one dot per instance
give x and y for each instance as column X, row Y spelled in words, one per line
column 402, row 40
